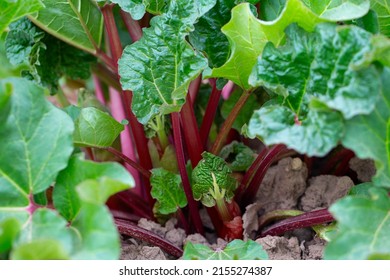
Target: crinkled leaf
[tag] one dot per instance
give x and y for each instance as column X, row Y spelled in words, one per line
column 98, row 233
column 245, row 113
column 47, row 58
column 76, row 22
column 382, row 8
column 203, row 180
column 137, row 8
column 247, row 37
column 12, row 10
column 368, row 135
column 363, row 227
column 339, row 10
column 208, row 37
column 65, row 196
column 160, row 66
column 44, row 249
column 95, row 128
column 238, row 156
column 316, row 135
column 9, row 230
column 167, row 190
column 235, row 250
column 36, row 145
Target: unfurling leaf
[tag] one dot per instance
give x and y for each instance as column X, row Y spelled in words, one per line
column 238, row 156
column 167, row 190
column 212, row 175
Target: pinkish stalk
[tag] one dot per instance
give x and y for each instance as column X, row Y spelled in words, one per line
column 194, row 88
column 227, row 90
column 98, row 89
column 132, row 26
column 127, row 145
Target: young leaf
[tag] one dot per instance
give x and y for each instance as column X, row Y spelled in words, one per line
column 306, row 73
column 382, row 8
column 95, row 128
column 36, row 145
column 208, row 37
column 108, row 178
column 76, row 22
column 364, row 224
column 160, row 79
column 271, row 9
column 12, row 10
column 336, row 10
column 167, row 190
column 9, row 230
column 238, row 156
column 235, row 250
column 203, row 183
column 368, row 135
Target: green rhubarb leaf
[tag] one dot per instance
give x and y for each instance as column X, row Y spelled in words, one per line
column 47, row 58
column 318, row 133
column 337, row 10
column 247, row 37
column 45, row 249
column 363, row 227
column 235, row 250
column 380, row 52
column 95, row 128
column 160, row 66
column 137, row 8
column 9, row 230
column 12, row 10
column 167, row 190
column 382, row 9
column 203, row 181
column 36, row 145
column 368, row 135
column 271, row 9
column 76, row 22
column 310, row 71
column 96, row 228
column 47, row 225
column 208, row 37
column 109, row 178
column 238, row 156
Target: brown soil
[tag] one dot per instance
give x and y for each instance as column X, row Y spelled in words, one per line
column 285, row 186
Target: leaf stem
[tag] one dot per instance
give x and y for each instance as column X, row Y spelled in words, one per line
column 227, row 125
column 148, row 236
column 305, row 220
column 112, row 33
column 191, row 132
column 193, row 207
column 143, row 171
column 210, row 113
column 132, row 26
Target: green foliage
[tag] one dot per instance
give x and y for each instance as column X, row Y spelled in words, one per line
column 204, row 188
column 95, row 128
column 235, row 250
column 368, row 135
column 382, row 9
column 38, row 138
column 363, row 227
column 47, row 58
column 137, row 8
column 76, row 22
column 160, row 80
column 12, row 10
column 305, row 73
column 167, row 190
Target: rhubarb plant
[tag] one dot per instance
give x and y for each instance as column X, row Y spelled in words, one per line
column 113, row 111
